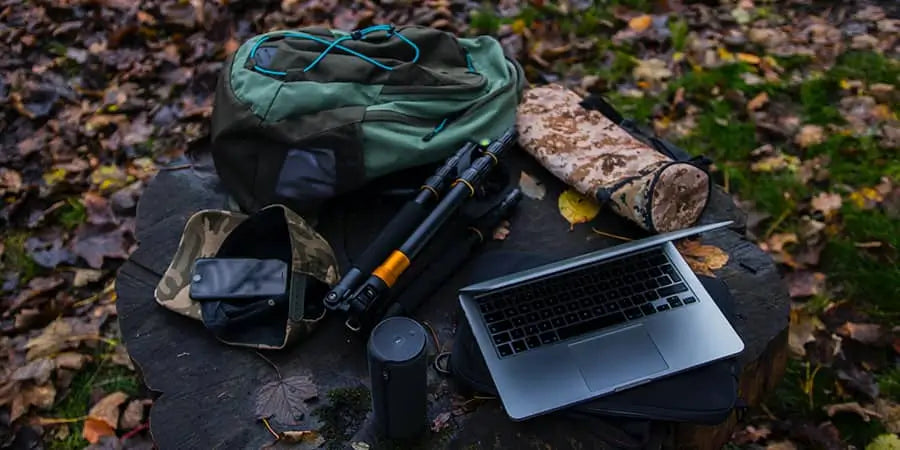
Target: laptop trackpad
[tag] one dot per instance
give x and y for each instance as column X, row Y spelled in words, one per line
column 617, row 357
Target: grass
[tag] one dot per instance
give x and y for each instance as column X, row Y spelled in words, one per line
column 16, row 258
column 344, row 413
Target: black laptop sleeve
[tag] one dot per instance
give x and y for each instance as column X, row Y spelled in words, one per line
column 706, row 395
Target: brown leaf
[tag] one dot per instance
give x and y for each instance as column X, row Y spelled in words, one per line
column 827, row 203
column 803, row 325
column 758, row 102
column 703, row 259
column 107, row 409
column 810, row 135
column 39, row 396
column 10, row 181
column 805, row 283
column 777, row 242
column 640, row 23
column 502, row 231
column 94, row 429
column 890, row 414
column 853, row 407
column 441, row 421
column 133, row 415
column 750, row 434
column 781, row 445
column 71, row 360
column 37, row 286
column 98, row 209
column 38, row 371
column 306, row 436
column 284, row 400
column 61, row 334
column 653, row 69
column 531, row 187
column 94, row 244
column 85, row 276
column 867, row 333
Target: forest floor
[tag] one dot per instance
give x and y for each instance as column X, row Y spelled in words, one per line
column 795, row 101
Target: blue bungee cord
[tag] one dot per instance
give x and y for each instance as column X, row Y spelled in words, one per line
column 355, row 35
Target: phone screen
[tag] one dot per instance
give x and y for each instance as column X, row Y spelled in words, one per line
column 238, row 278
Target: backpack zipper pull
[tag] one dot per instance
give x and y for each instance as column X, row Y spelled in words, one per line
column 435, row 131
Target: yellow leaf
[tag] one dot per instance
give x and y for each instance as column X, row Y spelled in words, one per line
column 518, row 26
column 703, row 259
column 885, row 442
column 54, row 176
column 845, row 84
column 748, row 58
column 640, row 23
column 725, row 55
column 577, row 208
column 677, row 56
column 94, row 429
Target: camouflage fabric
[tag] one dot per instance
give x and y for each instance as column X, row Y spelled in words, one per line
column 204, row 233
column 597, row 157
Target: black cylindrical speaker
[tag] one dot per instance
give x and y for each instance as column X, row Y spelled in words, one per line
column 397, row 368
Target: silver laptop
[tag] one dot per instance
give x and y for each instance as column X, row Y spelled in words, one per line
column 595, row 324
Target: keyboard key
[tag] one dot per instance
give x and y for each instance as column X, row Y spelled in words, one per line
column 533, row 317
column 651, row 284
column 664, row 280
column 591, row 325
column 531, row 329
column 519, row 321
column 533, row 342
column 501, row 338
column 545, row 325
column 669, row 270
column 633, row 313
column 559, row 309
column 599, row 311
column 610, row 295
column 662, row 307
column 486, row 307
column 564, row 297
column 625, row 302
column 549, row 337
column 616, row 282
column 669, row 290
column 524, row 308
column 538, row 304
column 612, row 307
column 630, row 277
column 501, row 303
column 638, row 299
column 519, row 346
column 689, row 300
column 573, row 306
column 510, row 312
column 648, row 309
column 552, row 301
column 500, row 326
column 586, row 302
column 674, row 301
column 493, row 317
column 518, row 333
column 571, row 318
column 625, row 291
column 558, row 322
column 654, row 272
column 650, row 296
column 546, row 313
column 505, row 350
column 585, row 314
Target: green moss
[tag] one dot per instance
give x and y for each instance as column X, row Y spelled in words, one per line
column 72, row 214
column 818, row 97
column 700, row 84
column 889, row 384
column 869, row 66
column 76, row 402
column 802, row 392
column 679, row 30
column 794, row 62
column 344, row 413
column 856, row 161
column 15, row 257
column 856, row 432
column 721, row 135
column 484, row 20
column 639, row 109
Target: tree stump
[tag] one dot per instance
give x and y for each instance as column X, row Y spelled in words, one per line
column 208, row 390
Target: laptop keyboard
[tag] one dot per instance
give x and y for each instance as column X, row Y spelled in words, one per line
column 581, row 301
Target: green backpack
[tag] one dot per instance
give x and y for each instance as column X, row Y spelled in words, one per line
column 303, row 116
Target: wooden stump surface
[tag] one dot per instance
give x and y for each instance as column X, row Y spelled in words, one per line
column 208, row 390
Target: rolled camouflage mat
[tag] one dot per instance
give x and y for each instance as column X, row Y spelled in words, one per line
column 597, row 157
column 272, row 232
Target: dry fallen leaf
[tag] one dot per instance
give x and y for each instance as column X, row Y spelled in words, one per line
column 531, row 187
column 867, row 333
column 803, row 325
column 39, row 396
column 810, row 135
column 577, row 208
column 441, row 421
column 284, row 400
column 885, row 442
column 107, row 409
column 502, row 231
column 640, row 23
column 305, row 436
column 133, row 415
column 750, row 434
column 71, row 360
column 38, row 371
column 781, row 445
column 95, row 429
column 85, row 276
column 653, row 69
column 826, row 202
column 804, row 283
column 890, row 414
column 51, row 340
column 853, row 407
column 758, row 102
column 775, row 163
column 703, row 259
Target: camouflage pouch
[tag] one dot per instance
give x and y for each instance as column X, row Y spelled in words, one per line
column 272, row 232
column 598, row 157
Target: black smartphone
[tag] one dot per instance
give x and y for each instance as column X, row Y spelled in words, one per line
column 236, row 278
